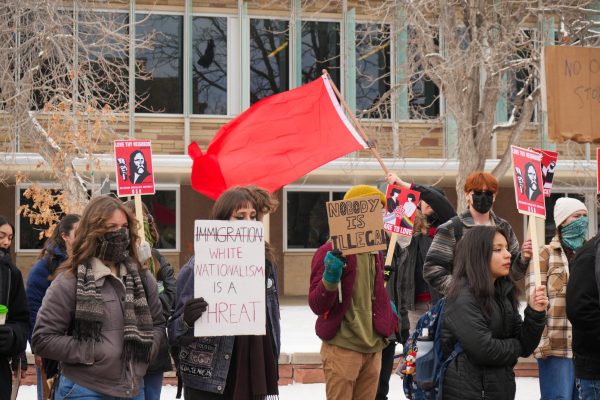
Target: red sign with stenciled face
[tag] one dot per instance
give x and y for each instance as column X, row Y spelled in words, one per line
column 527, row 174
column 400, row 210
column 133, row 161
column 549, row 160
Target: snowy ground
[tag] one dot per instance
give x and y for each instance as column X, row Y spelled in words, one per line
column 297, row 336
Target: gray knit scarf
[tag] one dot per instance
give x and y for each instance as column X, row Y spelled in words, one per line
column 137, row 320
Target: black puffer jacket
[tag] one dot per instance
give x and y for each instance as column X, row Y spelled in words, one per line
column 491, row 348
column 165, row 279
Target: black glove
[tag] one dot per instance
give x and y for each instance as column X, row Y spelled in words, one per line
column 404, row 334
column 387, row 272
column 193, row 310
column 7, row 339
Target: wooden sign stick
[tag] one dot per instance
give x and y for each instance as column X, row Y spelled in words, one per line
column 390, row 250
column 356, row 123
column 535, row 250
column 139, row 215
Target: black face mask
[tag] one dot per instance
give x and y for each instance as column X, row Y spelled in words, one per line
column 483, row 202
column 4, row 252
column 113, row 246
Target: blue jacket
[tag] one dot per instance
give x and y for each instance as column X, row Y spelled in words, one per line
column 38, row 282
column 204, row 361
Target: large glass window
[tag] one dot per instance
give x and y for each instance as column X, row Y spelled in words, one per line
column 320, row 50
column 372, row 70
column 209, row 65
column 269, row 58
column 307, row 226
column 423, row 94
column 162, row 64
column 518, row 79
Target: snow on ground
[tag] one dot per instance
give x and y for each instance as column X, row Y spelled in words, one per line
column 298, row 336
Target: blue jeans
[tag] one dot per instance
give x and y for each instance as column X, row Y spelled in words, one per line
column 153, row 385
column 588, row 389
column 67, row 390
column 557, row 378
column 40, row 388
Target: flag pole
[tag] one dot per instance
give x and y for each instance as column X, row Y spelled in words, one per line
column 356, row 123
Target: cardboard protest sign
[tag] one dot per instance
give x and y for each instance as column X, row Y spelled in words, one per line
column 549, row 160
column 355, row 226
column 527, row 175
column 133, row 161
column 572, row 77
column 229, row 272
column 401, row 210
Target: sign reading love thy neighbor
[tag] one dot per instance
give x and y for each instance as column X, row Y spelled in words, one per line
column 229, row 272
column 356, row 226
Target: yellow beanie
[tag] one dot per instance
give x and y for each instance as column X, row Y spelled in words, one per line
column 364, row 191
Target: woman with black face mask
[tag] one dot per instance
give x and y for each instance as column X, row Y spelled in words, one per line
column 101, row 317
column 481, row 189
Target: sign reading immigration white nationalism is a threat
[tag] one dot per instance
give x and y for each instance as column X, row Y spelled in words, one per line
column 229, row 272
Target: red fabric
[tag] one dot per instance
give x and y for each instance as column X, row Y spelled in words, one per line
column 274, row 142
column 423, row 297
column 432, row 231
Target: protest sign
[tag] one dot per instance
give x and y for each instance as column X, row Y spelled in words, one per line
column 133, row 161
column 572, row 77
column 229, row 272
column 549, row 160
column 356, row 226
column 401, row 210
column 527, row 180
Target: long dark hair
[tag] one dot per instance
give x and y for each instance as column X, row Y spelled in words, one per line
column 472, row 267
column 92, row 226
column 56, row 241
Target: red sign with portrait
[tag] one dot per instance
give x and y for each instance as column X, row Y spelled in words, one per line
column 527, row 176
column 133, row 161
column 400, row 210
column 549, row 160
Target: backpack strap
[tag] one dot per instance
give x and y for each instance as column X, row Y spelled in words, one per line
column 457, row 226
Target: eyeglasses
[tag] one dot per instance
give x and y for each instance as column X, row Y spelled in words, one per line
column 481, row 192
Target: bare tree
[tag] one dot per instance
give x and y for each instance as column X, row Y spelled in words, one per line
column 479, row 53
column 64, row 84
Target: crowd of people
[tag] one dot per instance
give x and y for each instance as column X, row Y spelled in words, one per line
column 106, row 316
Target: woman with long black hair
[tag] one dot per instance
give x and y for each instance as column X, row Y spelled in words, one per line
column 482, row 314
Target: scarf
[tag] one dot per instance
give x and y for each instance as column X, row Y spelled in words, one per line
column 137, row 320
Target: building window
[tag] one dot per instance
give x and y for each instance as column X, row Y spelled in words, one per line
column 269, row 58
column 162, row 64
column 306, row 215
column 209, row 65
column 162, row 205
column 518, row 78
column 372, row 70
column 320, row 50
column 423, row 94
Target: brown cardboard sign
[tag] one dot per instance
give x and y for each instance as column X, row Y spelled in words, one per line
column 572, row 79
column 356, row 226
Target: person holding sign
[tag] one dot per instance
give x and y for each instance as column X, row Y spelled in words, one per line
column 481, row 315
column 354, row 330
column 228, row 367
column 481, row 189
column 554, row 353
column 406, row 286
column 101, row 317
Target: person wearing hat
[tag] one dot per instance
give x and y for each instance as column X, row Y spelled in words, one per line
column 355, row 328
column 554, row 353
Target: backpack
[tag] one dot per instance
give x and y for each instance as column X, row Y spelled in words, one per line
column 426, row 383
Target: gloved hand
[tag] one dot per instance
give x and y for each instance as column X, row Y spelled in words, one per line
column 387, row 272
column 144, row 252
column 7, row 339
column 193, row 310
column 334, row 266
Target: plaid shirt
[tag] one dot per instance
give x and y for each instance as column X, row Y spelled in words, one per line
column 554, row 274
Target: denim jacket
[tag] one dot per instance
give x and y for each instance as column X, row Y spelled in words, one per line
column 204, row 361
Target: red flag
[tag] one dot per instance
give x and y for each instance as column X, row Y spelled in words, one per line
column 276, row 141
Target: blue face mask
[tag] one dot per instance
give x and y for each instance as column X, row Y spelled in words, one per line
column 573, row 234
